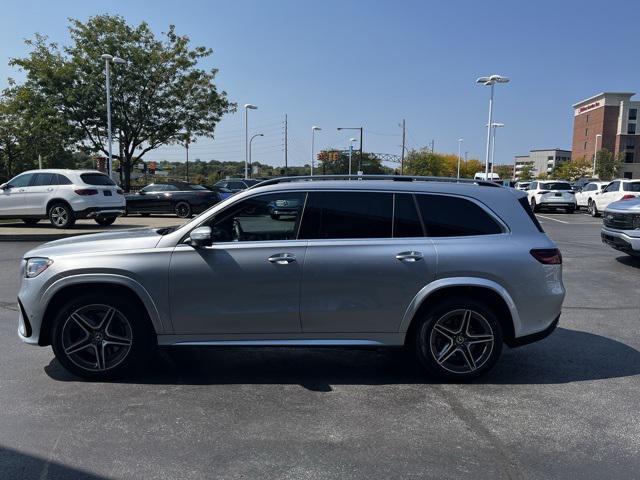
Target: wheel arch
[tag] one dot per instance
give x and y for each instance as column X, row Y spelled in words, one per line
column 479, row 288
column 54, row 201
column 62, row 290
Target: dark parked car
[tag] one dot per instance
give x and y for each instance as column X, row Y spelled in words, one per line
column 237, row 184
column 182, row 198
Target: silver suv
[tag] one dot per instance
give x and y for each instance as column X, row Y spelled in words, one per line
column 451, row 270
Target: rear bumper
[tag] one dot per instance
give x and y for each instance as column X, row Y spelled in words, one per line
column 534, row 337
column 620, row 241
column 96, row 212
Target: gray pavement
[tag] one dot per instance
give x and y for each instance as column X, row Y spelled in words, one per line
column 566, row 407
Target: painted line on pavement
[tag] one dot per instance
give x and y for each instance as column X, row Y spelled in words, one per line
column 554, row 219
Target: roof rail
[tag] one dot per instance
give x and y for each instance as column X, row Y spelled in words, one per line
column 396, row 178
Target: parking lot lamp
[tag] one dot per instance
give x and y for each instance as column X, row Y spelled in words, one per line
column 247, row 107
column 314, row 129
column 490, row 81
column 107, row 62
column 494, row 126
column 351, row 140
column 460, row 140
column 595, row 152
column 250, row 142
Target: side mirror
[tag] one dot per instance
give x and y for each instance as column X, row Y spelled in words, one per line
column 200, row 237
column 5, row 186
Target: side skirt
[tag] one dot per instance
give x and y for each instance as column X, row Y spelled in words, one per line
column 286, row 340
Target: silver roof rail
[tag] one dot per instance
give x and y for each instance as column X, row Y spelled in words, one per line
column 396, row 178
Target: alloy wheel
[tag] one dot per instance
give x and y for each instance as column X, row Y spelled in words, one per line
column 97, row 337
column 461, row 341
column 183, row 210
column 59, row 216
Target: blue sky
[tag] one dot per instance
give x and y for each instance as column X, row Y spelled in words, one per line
column 373, row 63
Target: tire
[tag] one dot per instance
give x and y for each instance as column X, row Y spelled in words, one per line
column 594, row 210
column 105, row 221
column 275, row 217
column 182, row 210
column 30, row 221
column 571, row 209
column 448, row 350
column 61, row 215
column 145, row 214
column 108, row 324
column 534, row 206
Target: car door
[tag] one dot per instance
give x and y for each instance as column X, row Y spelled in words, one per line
column 12, row 198
column 607, row 195
column 581, row 196
column 363, row 265
column 38, row 192
column 248, row 280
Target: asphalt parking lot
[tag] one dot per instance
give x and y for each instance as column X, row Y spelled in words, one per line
column 566, row 407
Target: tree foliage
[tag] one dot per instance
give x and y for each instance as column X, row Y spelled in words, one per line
column 428, row 163
column 607, row 165
column 573, row 170
column 158, row 96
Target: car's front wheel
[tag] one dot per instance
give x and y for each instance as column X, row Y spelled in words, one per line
column 99, row 336
column 534, row 205
column 593, row 209
column 458, row 339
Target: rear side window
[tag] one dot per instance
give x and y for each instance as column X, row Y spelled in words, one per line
column 527, row 208
column 41, row 179
column 631, row 186
column 96, row 179
column 329, row 215
column 59, row 179
column 447, row 216
column 406, row 221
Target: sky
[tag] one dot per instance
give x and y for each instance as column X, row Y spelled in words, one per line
column 348, row 63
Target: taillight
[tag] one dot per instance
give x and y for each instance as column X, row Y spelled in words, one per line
column 547, row 256
column 86, row 191
column 628, row 197
column 119, row 191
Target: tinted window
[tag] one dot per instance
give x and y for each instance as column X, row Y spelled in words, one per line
column 96, row 179
column 153, row 188
column 21, row 180
column 613, row 187
column 274, row 216
column 632, row 187
column 41, row 179
column 533, row 185
column 406, row 222
column 236, row 185
column 347, row 215
column 446, row 216
column 555, row 186
column 60, row 180
column 170, row 188
column 251, row 183
column 197, row 187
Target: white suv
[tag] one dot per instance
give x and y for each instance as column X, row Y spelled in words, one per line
column 551, row 194
column 622, row 189
column 63, row 196
column 584, row 197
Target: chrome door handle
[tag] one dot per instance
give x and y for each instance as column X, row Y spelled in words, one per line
column 49, row 189
column 409, row 256
column 282, row 258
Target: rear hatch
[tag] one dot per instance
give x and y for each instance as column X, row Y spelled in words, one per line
column 557, row 192
column 109, row 194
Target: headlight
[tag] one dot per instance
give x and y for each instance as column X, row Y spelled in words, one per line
column 35, row 266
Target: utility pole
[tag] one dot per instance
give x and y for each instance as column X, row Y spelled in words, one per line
column 39, row 162
column 186, row 144
column 403, row 146
column 432, row 145
column 286, row 144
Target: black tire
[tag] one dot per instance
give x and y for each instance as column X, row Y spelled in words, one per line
column 534, row 206
column 61, row 215
column 594, row 210
column 30, row 221
column 182, row 209
column 275, row 216
column 105, row 221
column 571, row 209
column 117, row 359
column 145, row 214
column 481, row 342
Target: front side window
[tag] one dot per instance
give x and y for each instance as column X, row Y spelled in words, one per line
column 21, row 180
column 153, row 188
column 170, row 188
column 330, row 215
column 273, row 216
column 448, row 216
column 59, row 179
column 612, row 187
column 236, row 185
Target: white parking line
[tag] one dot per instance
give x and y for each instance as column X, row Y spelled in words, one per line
column 554, row 219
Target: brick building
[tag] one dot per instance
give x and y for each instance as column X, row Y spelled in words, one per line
column 608, row 120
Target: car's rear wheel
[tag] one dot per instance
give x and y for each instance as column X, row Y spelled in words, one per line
column 99, row 336
column 61, row 215
column 105, row 221
column 534, row 205
column 30, row 221
column 571, row 209
column 182, row 210
column 458, row 339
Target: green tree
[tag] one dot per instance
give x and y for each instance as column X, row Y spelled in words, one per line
column 426, row 163
column 160, row 94
column 526, row 173
column 573, row 170
column 607, row 165
column 504, row 171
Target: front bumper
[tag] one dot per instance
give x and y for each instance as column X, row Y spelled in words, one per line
column 620, row 241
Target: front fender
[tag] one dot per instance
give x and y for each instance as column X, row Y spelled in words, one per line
column 441, row 283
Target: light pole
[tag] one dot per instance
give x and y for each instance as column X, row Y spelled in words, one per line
column 314, row 129
column 490, row 81
column 361, row 129
column 595, row 152
column 247, row 107
column 107, row 62
column 250, row 142
column 351, row 140
column 460, row 140
column 494, row 126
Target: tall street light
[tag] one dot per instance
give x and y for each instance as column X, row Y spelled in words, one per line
column 247, row 107
column 595, row 152
column 250, row 142
column 107, row 63
column 351, row 140
column 494, row 126
column 314, row 129
column 490, row 81
column 361, row 129
column 460, row 140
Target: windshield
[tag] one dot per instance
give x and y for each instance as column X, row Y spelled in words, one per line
column 556, row 186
